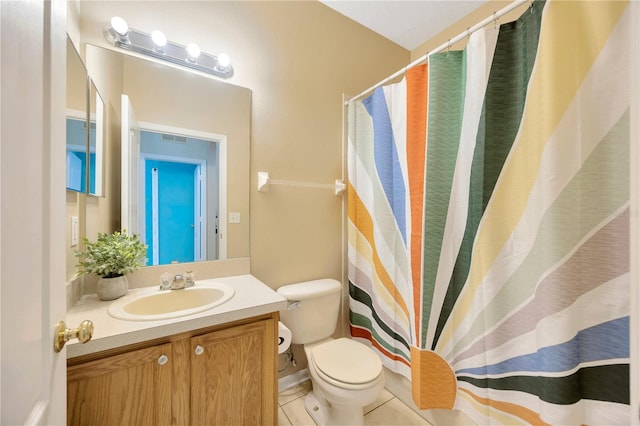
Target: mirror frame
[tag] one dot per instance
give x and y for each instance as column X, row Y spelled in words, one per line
column 80, row 115
column 93, row 116
column 96, row 146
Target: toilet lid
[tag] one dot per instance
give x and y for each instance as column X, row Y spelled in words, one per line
column 347, row 361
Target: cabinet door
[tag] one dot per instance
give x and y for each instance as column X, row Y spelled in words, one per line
column 133, row 388
column 233, row 376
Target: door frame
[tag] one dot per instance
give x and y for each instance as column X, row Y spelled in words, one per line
column 200, row 245
column 129, row 155
column 221, row 141
column 634, row 219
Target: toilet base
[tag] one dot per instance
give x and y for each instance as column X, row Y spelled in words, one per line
column 325, row 404
column 336, row 415
column 315, row 409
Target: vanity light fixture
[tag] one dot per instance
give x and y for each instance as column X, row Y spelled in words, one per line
column 224, row 60
column 159, row 40
column 193, row 52
column 120, row 28
column 156, row 45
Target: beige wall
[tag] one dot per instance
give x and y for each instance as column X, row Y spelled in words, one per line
column 103, row 213
column 75, row 203
column 468, row 21
column 298, row 58
column 73, row 22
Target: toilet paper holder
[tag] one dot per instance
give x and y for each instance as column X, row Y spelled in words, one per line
column 284, row 338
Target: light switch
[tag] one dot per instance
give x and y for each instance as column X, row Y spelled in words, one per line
column 234, row 217
column 75, row 231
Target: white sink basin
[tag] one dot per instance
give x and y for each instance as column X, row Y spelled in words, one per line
column 153, row 304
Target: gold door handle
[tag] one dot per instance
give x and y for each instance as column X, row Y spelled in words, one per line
column 63, row 334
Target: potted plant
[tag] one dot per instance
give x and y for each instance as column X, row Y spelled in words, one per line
column 111, row 257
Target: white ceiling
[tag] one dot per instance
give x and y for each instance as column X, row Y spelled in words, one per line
column 408, row 23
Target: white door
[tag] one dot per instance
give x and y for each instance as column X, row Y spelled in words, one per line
column 32, row 214
column 635, row 217
column 130, row 186
column 200, row 215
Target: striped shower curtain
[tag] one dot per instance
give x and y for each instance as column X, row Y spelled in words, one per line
column 488, row 220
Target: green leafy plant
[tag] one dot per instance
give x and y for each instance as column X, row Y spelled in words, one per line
column 112, row 255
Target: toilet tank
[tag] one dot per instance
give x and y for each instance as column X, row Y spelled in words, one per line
column 313, row 309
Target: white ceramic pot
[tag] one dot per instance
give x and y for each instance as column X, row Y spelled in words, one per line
column 112, row 288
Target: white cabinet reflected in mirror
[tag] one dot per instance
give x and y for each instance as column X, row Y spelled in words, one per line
column 76, row 154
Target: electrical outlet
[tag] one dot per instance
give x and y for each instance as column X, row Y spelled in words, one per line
column 234, row 217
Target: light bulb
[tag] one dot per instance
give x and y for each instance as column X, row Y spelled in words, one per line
column 193, row 51
column 119, row 25
column 158, row 38
column 224, row 60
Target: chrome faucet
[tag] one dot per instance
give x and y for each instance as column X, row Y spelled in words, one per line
column 178, row 282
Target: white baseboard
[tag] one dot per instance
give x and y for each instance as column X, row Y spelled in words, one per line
column 292, row 380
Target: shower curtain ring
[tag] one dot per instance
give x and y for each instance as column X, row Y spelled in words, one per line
column 468, row 33
column 448, row 45
column 495, row 21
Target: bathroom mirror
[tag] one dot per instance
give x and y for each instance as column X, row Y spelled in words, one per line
column 77, row 129
column 96, row 138
column 178, row 108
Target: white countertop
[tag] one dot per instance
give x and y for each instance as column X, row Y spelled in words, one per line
column 252, row 298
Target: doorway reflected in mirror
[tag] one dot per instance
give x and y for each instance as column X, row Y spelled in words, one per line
column 179, row 184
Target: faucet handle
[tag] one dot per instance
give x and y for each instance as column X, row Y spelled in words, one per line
column 165, row 283
column 189, row 279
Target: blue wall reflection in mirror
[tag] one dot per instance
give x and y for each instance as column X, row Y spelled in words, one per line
column 77, row 156
column 174, row 183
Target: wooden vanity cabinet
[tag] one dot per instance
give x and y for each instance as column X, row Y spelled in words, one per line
column 216, row 376
column 232, row 376
column 132, row 388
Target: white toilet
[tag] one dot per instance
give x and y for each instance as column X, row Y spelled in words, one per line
column 346, row 375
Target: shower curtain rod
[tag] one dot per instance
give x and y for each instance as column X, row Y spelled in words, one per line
column 493, row 18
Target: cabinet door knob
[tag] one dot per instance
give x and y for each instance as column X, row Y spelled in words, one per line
column 83, row 333
column 163, row 359
column 199, row 350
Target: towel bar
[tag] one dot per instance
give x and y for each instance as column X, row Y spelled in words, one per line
column 264, row 181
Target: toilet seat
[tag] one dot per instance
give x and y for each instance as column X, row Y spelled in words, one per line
column 346, row 363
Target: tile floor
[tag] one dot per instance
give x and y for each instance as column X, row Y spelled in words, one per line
column 387, row 410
